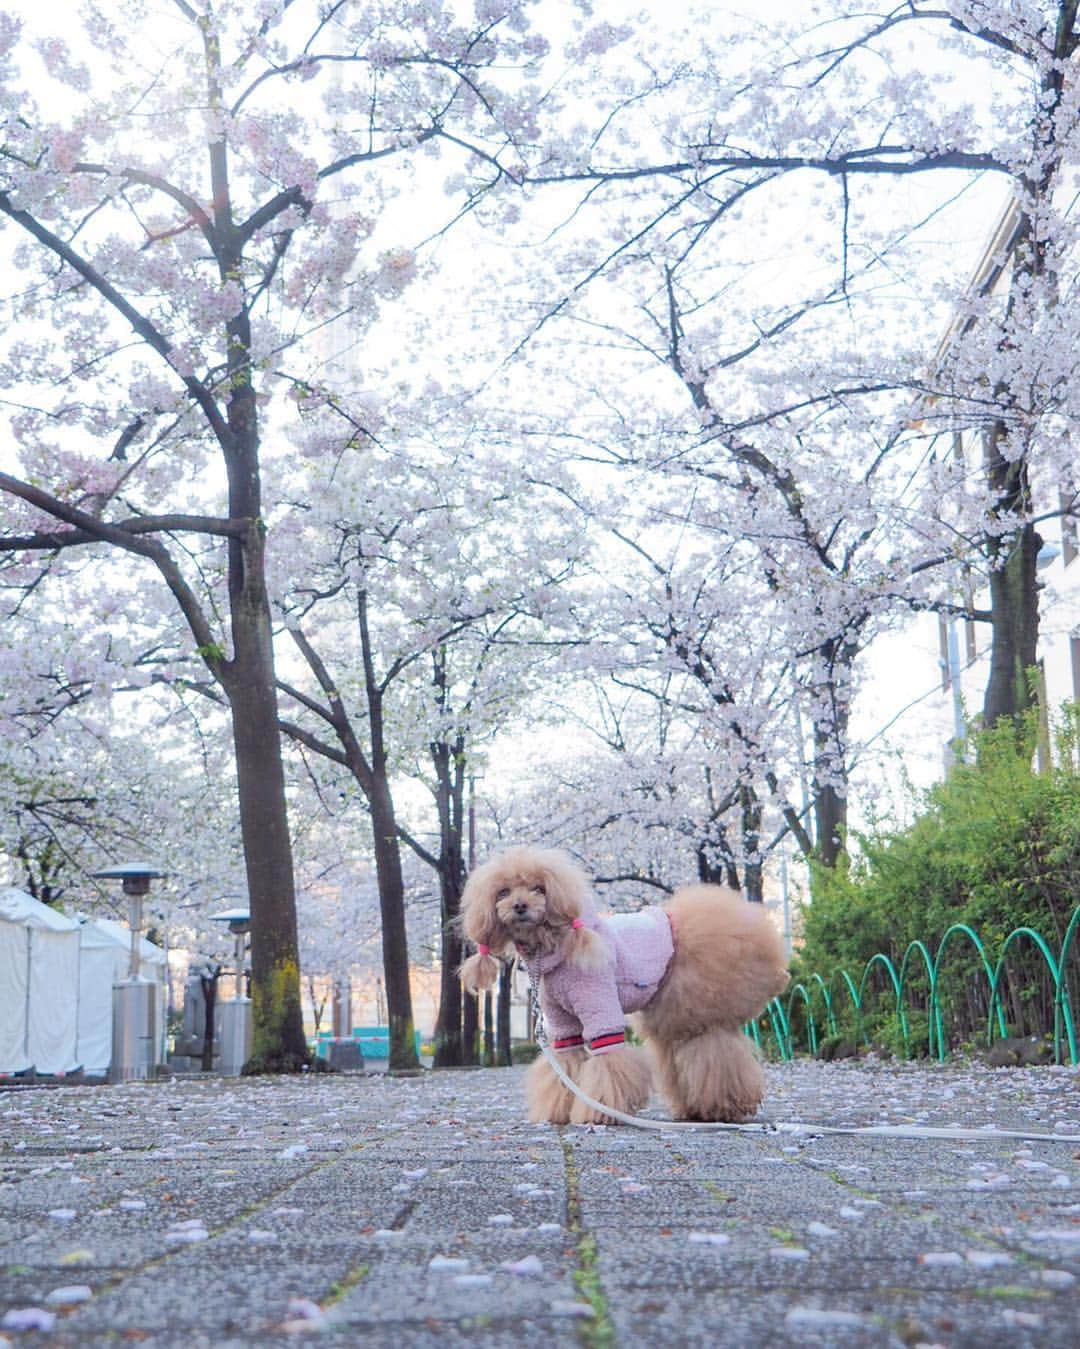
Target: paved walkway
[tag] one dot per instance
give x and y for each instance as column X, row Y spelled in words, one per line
column 428, row 1212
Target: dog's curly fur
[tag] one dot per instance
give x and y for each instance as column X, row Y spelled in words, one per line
column 728, row 963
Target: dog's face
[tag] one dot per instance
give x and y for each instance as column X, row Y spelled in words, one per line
column 521, row 905
column 526, row 897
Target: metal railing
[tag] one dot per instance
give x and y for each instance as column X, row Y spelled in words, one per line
column 821, row 994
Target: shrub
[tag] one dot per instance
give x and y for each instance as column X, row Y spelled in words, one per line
column 995, row 846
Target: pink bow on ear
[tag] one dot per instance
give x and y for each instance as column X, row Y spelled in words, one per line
column 578, row 922
column 482, row 950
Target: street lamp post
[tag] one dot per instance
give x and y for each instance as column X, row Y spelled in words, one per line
column 234, row 1024
column 136, row 1042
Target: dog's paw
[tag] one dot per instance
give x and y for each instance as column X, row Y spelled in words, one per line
column 620, row 1079
column 549, row 1099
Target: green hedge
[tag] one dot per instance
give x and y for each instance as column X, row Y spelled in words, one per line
column 997, row 847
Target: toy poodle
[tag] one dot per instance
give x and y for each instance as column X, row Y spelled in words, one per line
column 694, row 971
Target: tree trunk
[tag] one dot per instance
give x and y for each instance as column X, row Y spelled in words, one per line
column 248, row 678
column 449, row 1043
column 470, row 1028
column 830, row 767
column 753, row 863
column 1014, row 625
column 451, row 1050
column 830, row 824
column 209, row 984
column 503, row 1054
column 318, row 1005
column 448, row 759
column 709, row 873
column 1014, row 591
column 489, row 1030
column 395, row 941
column 278, row 1042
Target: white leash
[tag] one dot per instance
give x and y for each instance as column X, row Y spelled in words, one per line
column 956, row 1135
column 800, row 1128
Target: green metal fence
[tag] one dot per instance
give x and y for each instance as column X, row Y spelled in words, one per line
column 818, row 997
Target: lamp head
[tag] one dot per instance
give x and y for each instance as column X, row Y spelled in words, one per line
column 136, row 877
column 238, row 921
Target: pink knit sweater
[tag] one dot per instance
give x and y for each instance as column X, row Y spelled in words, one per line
column 588, row 1006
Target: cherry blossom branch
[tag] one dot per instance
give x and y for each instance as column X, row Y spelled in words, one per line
column 324, row 748
column 906, row 14
column 418, row 848
column 869, row 160
column 142, row 325
column 159, row 184
column 335, row 712
column 133, row 538
column 621, row 877
column 89, row 529
column 295, row 196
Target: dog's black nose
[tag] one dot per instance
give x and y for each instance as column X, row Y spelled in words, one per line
column 521, row 908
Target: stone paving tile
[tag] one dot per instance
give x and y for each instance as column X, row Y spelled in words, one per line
column 352, row 1193
column 794, row 1319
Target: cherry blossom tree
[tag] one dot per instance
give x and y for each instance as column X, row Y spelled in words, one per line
column 798, row 400
column 417, row 617
column 200, row 187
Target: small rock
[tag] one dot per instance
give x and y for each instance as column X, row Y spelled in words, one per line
column 562, row 1307
column 69, row 1296
column 303, row 1309
column 28, row 1318
column 813, row 1318
column 531, row 1264
column 988, row 1259
column 81, row 1256
column 442, row 1264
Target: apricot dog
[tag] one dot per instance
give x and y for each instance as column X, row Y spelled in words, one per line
column 693, row 971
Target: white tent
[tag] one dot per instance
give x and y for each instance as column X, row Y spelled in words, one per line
column 104, row 960
column 39, row 986
column 56, row 981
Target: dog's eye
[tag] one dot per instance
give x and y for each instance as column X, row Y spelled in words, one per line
column 539, row 890
column 502, row 894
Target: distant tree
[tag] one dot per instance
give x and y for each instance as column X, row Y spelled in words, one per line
column 796, row 385
column 425, row 576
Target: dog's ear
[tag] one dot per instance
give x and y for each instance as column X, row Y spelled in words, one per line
column 569, row 903
column 586, row 950
column 479, row 972
column 479, row 921
column 480, row 924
